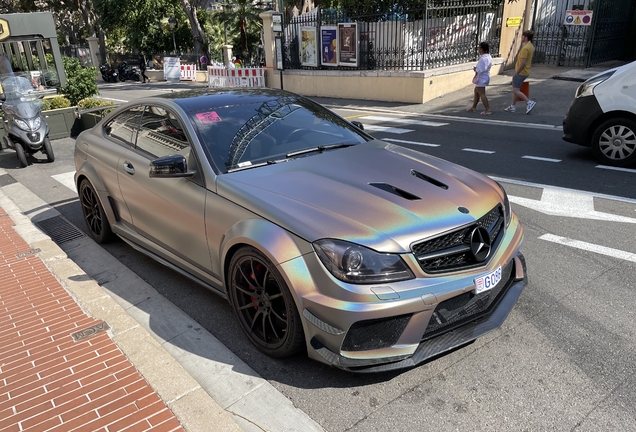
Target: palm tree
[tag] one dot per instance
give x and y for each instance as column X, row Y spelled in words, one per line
column 242, row 18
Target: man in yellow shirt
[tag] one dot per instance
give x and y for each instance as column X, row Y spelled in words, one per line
column 522, row 70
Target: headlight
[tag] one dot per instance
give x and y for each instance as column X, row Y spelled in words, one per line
column 37, row 122
column 507, row 209
column 21, row 124
column 357, row 264
column 587, row 88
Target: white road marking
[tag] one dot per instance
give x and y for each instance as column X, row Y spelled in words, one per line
column 112, row 99
column 377, row 128
column 478, row 151
column 541, row 159
column 568, row 203
column 410, row 142
column 67, row 179
column 616, row 168
column 590, row 247
column 405, row 121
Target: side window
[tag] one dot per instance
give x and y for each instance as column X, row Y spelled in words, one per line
column 124, row 126
column 161, row 134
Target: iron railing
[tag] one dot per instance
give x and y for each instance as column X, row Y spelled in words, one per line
column 440, row 33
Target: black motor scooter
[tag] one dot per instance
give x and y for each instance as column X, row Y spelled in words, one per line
column 109, row 74
column 126, row 73
column 25, row 130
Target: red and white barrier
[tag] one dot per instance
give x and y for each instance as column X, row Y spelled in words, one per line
column 242, row 77
column 188, row 72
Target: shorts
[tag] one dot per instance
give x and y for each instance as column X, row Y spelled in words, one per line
column 517, row 80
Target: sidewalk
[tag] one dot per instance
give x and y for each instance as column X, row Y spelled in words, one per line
column 72, row 359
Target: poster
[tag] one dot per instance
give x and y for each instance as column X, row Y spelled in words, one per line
column 278, row 42
column 329, row 45
column 172, row 69
column 308, row 46
column 578, row 17
column 348, row 44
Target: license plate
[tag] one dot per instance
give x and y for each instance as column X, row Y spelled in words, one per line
column 487, row 281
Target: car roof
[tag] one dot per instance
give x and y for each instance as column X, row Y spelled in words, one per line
column 193, row 100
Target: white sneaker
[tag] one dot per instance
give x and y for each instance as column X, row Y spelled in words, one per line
column 530, row 105
column 511, row 108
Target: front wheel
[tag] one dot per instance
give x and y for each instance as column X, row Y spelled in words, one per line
column 94, row 215
column 48, row 150
column 263, row 304
column 20, row 153
column 614, row 142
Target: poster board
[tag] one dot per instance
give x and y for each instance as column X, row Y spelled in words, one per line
column 278, row 43
column 348, row 51
column 172, row 69
column 308, row 46
column 329, row 45
column 578, row 17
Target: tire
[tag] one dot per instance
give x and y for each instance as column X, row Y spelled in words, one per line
column 614, row 142
column 94, row 215
column 47, row 149
column 21, row 154
column 264, row 305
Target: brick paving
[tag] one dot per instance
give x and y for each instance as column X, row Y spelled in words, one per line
column 50, row 382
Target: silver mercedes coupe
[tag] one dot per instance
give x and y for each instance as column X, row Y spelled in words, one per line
column 368, row 255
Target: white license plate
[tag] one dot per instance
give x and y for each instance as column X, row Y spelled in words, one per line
column 487, row 281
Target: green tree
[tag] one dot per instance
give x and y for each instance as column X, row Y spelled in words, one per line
column 80, row 80
column 242, row 20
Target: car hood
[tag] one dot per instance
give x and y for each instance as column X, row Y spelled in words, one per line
column 375, row 194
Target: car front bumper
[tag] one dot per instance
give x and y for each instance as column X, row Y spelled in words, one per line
column 396, row 326
column 581, row 115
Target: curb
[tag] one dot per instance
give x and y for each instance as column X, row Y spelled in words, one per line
column 206, row 386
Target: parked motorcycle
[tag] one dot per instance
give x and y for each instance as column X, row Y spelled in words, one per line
column 126, row 73
column 25, row 130
column 109, row 74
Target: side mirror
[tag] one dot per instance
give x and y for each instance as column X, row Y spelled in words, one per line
column 358, row 124
column 3, row 97
column 171, row 166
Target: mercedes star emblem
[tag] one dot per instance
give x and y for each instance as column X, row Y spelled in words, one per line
column 480, row 244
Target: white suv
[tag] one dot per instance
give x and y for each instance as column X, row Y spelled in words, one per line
column 603, row 116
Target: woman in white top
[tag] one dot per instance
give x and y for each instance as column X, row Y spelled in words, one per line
column 482, row 78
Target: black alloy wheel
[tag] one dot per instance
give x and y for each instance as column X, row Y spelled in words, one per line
column 263, row 304
column 20, row 153
column 48, row 150
column 94, row 215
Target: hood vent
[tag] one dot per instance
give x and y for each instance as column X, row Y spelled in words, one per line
column 395, row 191
column 431, row 180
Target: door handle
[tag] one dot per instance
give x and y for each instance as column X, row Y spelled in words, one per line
column 129, row 168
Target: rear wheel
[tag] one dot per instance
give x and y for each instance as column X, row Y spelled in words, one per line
column 48, row 150
column 263, row 304
column 94, row 215
column 20, row 153
column 614, row 142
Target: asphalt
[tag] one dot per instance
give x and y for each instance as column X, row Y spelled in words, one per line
column 195, row 379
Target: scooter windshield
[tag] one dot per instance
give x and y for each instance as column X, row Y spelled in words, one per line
column 17, row 88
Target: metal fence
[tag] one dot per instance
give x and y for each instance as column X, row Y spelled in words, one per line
column 440, row 33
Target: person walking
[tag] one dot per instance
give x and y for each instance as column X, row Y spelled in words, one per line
column 522, row 71
column 142, row 67
column 482, row 78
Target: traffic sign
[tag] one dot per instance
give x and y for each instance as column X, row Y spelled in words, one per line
column 578, row 17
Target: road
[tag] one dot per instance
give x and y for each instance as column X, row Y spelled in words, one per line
column 563, row 360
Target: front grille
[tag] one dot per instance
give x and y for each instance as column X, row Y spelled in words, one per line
column 451, row 251
column 375, row 334
column 467, row 307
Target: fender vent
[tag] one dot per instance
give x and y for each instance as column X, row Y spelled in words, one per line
column 395, row 191
column 431, row 180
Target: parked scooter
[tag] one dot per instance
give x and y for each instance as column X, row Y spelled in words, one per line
column 109, row 74
column 25, row 130
column 126, row 73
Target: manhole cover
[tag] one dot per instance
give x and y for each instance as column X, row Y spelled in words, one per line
column 59, row 229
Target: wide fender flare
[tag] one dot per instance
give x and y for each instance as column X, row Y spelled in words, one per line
column 86, row 171
column 278, row 244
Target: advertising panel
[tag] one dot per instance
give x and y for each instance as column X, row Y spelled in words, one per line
column 308, row 46
column 329, row 45
column 348, row 44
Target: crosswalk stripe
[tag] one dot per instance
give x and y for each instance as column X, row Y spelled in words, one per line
column 67, row 179
column 377, row 128
column 541, row 159
column 614, row 253
column 404, row 121
column 629, row 170
column 478, row 151
column 410, row 142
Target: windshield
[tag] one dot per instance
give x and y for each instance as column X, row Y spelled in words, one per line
column 260, row 133
column 17, row 87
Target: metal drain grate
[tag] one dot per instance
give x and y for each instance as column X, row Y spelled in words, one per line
column 59, row 229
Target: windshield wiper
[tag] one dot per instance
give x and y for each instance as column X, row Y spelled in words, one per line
column 244, row 167
column 319, row 149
